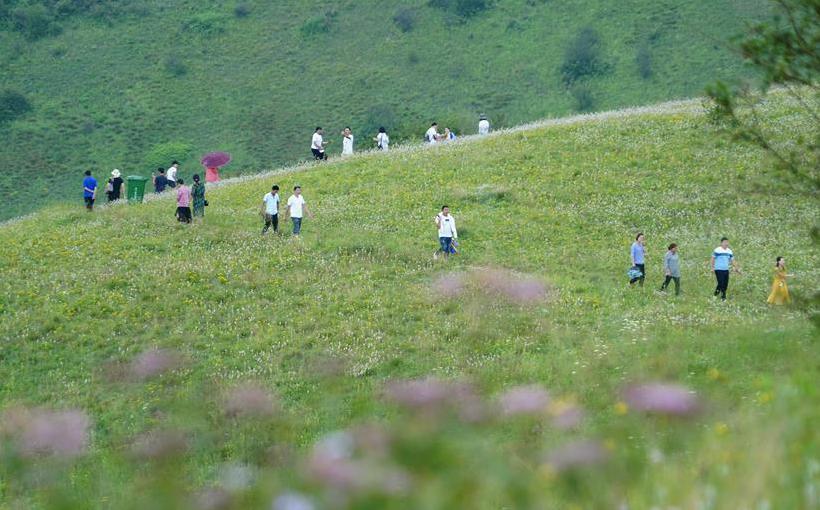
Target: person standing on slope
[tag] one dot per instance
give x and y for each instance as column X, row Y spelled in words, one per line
column 270, row 210
column 347, row 142
column 780, row 291
column 89, row 190
column 171, row 174
column 447, row 232
column 483, row 125
column 296, row 209
column 382, row 140
column 723, row 261
column 183, row 203
column 638, row 255
column 198, row 195
column 317, row 145
column 115, row 186
column 160, row 181
column 432, row 136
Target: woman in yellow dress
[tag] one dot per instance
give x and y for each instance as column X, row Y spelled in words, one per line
column 780, row 291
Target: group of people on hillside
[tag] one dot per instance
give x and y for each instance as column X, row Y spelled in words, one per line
column 318, row 144
column 722, row 263
column 296, row 208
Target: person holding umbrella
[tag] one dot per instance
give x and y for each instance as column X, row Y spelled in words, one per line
column 212, row 162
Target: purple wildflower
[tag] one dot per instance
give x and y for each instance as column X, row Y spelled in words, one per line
column 519, row 400
column 154, row 362
column 661, row 398
column 249, row 400
column 577, row 454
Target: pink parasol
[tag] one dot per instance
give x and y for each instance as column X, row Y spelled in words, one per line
column 215, row 159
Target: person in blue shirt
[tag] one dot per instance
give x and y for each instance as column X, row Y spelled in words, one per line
column 89, row 190
column 723, row 261
column 638, row 254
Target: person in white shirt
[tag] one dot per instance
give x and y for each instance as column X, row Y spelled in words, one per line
column 296, row 208
column 270, row 210
column 347, row 142
column 432, row 136
column 382, row 140
column 483, row 125
column 171, row 174
column 317, row 145
column 447, row 232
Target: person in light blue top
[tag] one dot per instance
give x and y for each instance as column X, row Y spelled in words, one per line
column 638, row 254
column 723, row 261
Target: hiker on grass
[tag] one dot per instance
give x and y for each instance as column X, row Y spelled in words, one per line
column 483, row 125
column 89, row 190
column 171, row 174
column 347, row 142
column 115, row 186
column 638, row 255
column 382, row 140
column 431, row 136
column 270, row 210
column 159, row 180
column 198, row 195
column 317, row 145
column 447, row 232
column 671, row 267
column 183, row 203
column 296, row 209
column 723, row 261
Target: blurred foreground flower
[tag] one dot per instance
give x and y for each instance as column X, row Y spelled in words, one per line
column 160, row 444
column 431, row 395
column 292, row 501
column 249, row 400
column 47, row 432
column 496, row 283
column 577, row 454
column 661, row 398
column 531, row 399
column 213, row 499
column 449, row 285
column 565, row 415
column 154, row 362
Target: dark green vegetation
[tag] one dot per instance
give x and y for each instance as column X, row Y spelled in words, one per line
column 102, row 84
column 323, row 322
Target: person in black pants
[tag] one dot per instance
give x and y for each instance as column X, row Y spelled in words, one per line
column 638, row 254
column 723, row 261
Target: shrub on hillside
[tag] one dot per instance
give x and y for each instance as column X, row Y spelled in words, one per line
column 34, row 21
column 206, row 23
column 175, row 66
column 583, row 57
column 162, row 154
column 12, row 105
column 644, row 60
column 584, row 100
column 462, row 8
column 242, row 10
column 318, row 24
column 405, row 19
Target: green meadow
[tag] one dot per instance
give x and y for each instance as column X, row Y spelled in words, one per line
column 323, row 324
column 97, row 84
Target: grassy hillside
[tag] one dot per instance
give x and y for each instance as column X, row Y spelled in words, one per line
column 324, row 321
column 99, row 85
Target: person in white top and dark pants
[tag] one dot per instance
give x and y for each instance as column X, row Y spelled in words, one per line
column 317, row 145
column 296, row 209
column 171, row 174
column 446, row 231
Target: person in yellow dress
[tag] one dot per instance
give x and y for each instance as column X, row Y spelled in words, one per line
column 780, row 291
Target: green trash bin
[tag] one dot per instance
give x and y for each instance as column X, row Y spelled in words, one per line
column 136, row 189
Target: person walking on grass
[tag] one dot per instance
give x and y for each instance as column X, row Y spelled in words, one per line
column 382, row 140
column 171, row 174
column 89, row 190
column 638, row 255
column 347, row 142
column 483, row 125
column 296, row 208
column 447, row 232
column 159, row 180
column 671, row 267
column 183, row 203
column 780, row 291
column 198, row 194
column 432, row 136
column 114, row 189
column 317, row 145
column 723, row 261
column 270, row 210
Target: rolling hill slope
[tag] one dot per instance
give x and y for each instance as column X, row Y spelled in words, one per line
column 558, row 203
column 130, row 85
